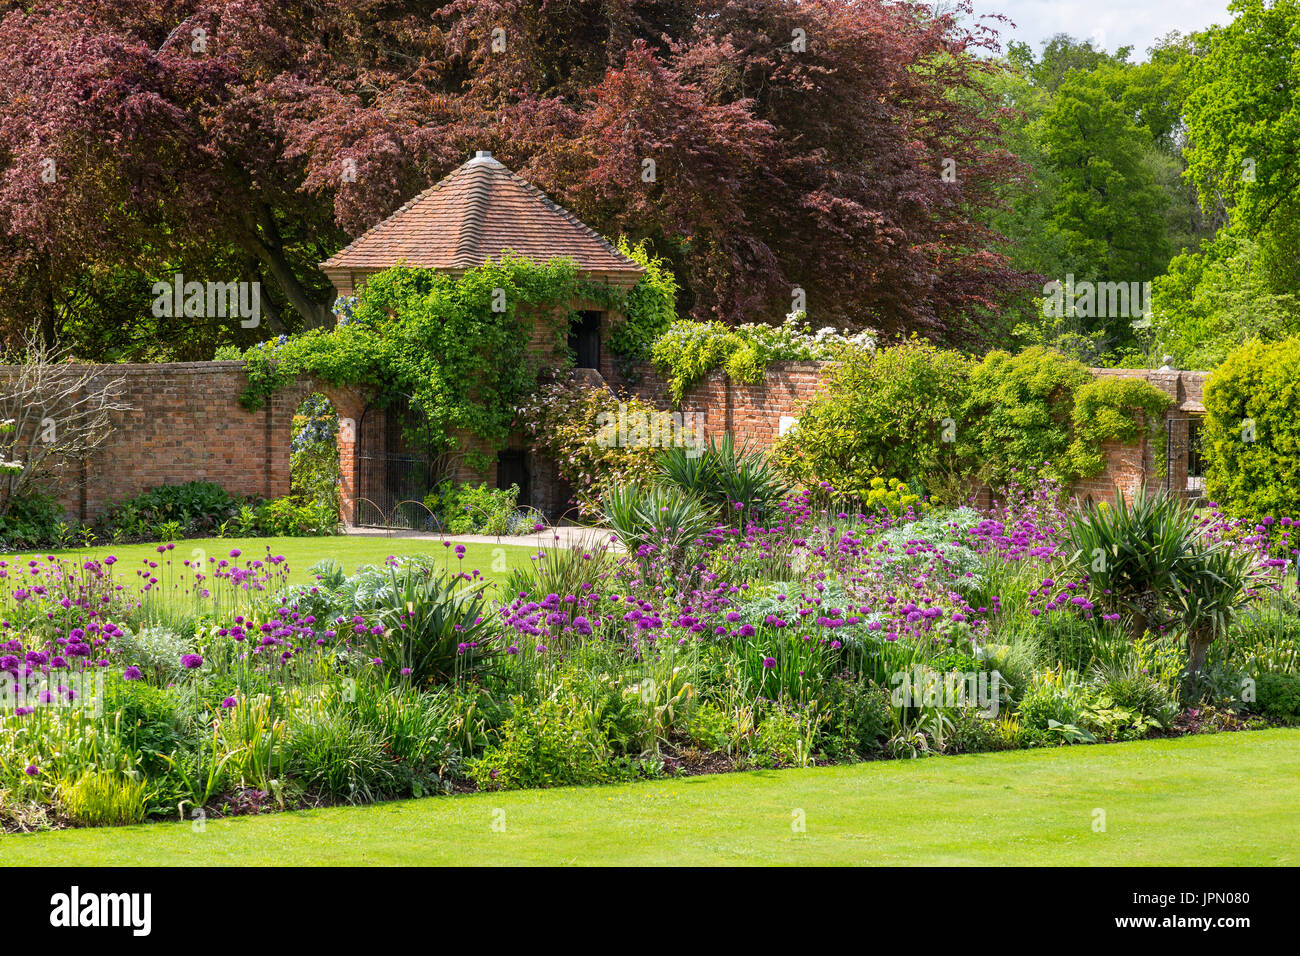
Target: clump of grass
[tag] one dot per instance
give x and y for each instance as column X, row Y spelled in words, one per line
column 103, row 799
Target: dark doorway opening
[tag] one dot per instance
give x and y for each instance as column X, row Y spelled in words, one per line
column 584, row 340
column 512, row 469
column 394, row 470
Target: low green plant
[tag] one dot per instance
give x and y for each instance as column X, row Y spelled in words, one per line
column 550, row 743
column 31, row 520
column 1278, row 696
column 103, row 799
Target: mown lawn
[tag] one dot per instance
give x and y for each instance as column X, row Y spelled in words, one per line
column 351, row 551
column 1227, row 799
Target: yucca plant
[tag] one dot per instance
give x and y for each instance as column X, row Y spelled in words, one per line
column 1149, row 558
column 723, row 477
column 1215, row 584
column 746, row 480
column 690, row 469
column 1133, row 552
column 657, row 521
column 432, row 627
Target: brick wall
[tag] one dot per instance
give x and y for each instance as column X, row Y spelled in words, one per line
column 186, row 424
column 753, row 413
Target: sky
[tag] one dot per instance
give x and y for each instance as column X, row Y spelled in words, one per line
column 1109, row 23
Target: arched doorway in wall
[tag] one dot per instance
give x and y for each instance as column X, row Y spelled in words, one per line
column 395, row 466
column 314, row 474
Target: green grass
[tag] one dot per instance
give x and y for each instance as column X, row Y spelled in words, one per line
column 351, row 551
column 1225, row 799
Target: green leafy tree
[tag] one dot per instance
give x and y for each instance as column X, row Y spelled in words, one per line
column 1212, row 301
column 1107, row 208
column 1243, row 118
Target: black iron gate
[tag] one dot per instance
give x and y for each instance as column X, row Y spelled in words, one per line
column 394, row 467
column 1184, row 467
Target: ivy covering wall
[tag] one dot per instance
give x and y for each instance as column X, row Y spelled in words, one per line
column 459, row 346
column 943, row 421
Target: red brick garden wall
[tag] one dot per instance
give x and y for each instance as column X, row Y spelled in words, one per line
column 186, row 424
column 753, row 413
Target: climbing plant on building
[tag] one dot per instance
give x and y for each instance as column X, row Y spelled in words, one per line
column 461, row 347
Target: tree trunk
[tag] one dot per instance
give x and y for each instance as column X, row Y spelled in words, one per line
column 262, row 240
column 1198, row 645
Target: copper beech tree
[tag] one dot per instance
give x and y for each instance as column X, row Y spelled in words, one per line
column 842, row 151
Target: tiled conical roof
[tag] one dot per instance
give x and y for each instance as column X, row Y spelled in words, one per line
column 475, row 214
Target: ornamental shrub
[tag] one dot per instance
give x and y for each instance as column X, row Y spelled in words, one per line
column 1277, row 695
column 1251, row 436
column 469, row 509
column 1018, row 414
column 570, row 423
column 880, row 413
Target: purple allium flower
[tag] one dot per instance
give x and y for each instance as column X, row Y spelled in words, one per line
column 191, row 661
column 229, row 702
column 769, row 662
column 132, row 673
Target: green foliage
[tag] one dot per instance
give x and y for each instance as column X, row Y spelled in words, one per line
column 1251, row 437
column 552, row 743
column 195, row 507
column 1126, row 410
column 1134, row 551
column 469, row 509
column 861, row 717
column 1108, row 208
column 935, row 420
column 289, row 517
column 650, row 307
column 331, row 750
column 1211, row 301
column 1278, row 695
column 664, row 521
column 1056, row 697
column 688, row 351
column 1149, row 558
column 1243, row 112
column 1018, row 415
column 32, row 520
column 878, row 414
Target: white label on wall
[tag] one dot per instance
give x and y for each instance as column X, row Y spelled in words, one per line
column 785, row 424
